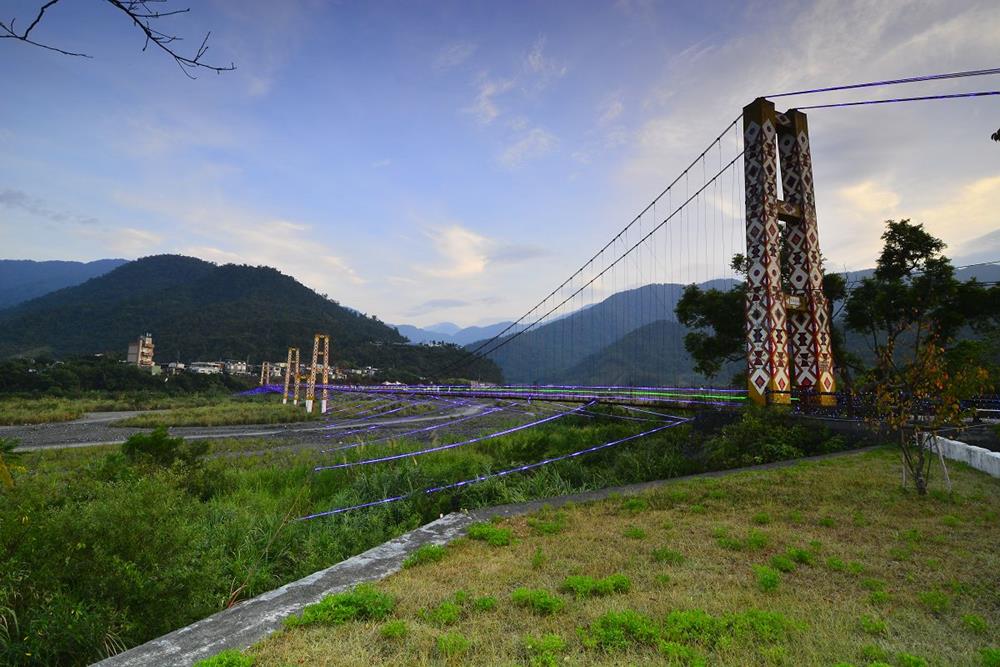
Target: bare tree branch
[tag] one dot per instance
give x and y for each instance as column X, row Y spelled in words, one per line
column 142, row 14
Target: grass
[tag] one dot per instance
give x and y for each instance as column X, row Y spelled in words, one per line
column 228, row 412
column 710, row 607
column 16, row 410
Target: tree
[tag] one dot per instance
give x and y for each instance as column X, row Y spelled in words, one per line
column 719, row 336
column 911, row 312
column 145, row 16
column 995, row 136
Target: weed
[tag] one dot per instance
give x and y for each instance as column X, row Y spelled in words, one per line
column 634, row 533
column 662, row 579
column 547, row 522
column 815, row 546
column 874, row 653
column 757, row 539
column 936, row 601
column 584, row 586
column 827, row 522
column 767, row 578
column 486, row 532
column 795, row 516
column 678, row 654
column 878, row 598
column 228, row 658
column 782, row 563
column 855, row 567
column 452, row 644
column 537, row 559
column 991, row 657
column 538, row 600
column 800, row 556
column 902, row 553
column 911, row 535
column 395, row 629
column 428, row 553
column 446, row 613
column 634, row 505
column 485, row 603
column 365, row 602
column 873, row 584
column 950, row 520
column 693, row 626
column 668, row 556
column 618, row 630
column 836, row 564
column 859, row 520
column 542, row 650
column 761, row 518
column 975, row 623
column 697, row 509
column 909, row 660
column 872, row 625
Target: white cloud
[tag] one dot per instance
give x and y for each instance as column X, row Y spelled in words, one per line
column 870, row 198
column 532, row 145
column 972, row 211
column 484, row 108
column 463, row 253
column 453, row 55
column 611, row 110
column 541, row 65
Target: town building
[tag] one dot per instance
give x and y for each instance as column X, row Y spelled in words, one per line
column 140, row 352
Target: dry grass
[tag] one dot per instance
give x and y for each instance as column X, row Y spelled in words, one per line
column 42, row 410
column 862, row 532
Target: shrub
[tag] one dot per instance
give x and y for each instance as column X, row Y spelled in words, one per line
column 158, row 449
column 492, row 535
column 975, row 623
column 634, row 533
column 365, row 602
column 991, row 657
column 452, row 644
column 395, row 629
column 668, row 556
column 767, row 578
column 618, row 630
column 584, row 586
column 936, row 601
column 428, row 553
column 872, row 625
column 782, row 563
column 908, row 660
column 762, row 436
column 538, row 600
column 446, row 613
column 228, row 658
column 693, row 626
column 800, row 556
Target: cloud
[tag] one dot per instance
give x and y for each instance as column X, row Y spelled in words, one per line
column 537, row 63
column 127, row 241
column 968, row 212
column 534, row 144
column 463, row 252
column 871, row 198
column 433, row 305
column 611, row 110
column 20, row 200
column 484, row 107
column 453, row 55
column 515, row 253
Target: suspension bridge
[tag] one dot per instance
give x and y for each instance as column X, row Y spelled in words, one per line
column 608, row 334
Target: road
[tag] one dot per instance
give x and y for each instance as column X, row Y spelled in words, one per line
column 94, row 429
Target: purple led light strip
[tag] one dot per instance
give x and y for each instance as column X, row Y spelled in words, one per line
column 482, row 478
column 440, row 448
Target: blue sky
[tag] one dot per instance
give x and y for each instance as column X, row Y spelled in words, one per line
column 455, row 160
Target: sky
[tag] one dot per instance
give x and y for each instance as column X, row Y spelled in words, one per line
column 454, row 161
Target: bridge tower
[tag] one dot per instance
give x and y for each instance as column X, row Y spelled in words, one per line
column 265, row 373
column 324, row 352
column 788, row 333
column 292, row 375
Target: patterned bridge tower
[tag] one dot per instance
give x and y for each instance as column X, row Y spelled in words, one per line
column 788, row 335
column 321, row 349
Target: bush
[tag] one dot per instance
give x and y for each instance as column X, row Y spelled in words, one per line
column 618, row 630
column 395, row 629
column 157, row 448
column 872, row 625
column 492, row 535
column 365, row 602
column 446, row 613
column 485, row 603
column 991, row 657
column 975, row 623
column 228, row 658
column 538, row 600
column 542, row 650
column 763, row 436
column 783, row 563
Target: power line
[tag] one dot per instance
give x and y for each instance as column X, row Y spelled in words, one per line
column 901, row 99
column 892, row 82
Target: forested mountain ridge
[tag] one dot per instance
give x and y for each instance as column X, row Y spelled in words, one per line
column 24, row 279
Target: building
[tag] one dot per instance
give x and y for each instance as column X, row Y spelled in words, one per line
column 140, row 352
column 237, row 368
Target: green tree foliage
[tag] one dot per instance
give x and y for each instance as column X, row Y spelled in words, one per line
column 912, row 311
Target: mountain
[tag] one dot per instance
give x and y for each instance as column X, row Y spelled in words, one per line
column 456, row 335
column 23, row 279
column 199, row 311
column 554, row 349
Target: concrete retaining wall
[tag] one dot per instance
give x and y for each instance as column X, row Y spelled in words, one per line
column 977, row 457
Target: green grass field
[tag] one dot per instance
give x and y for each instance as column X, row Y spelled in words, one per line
column 16, row 410
column 821, row 563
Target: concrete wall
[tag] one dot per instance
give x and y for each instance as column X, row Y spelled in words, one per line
column 977, row 457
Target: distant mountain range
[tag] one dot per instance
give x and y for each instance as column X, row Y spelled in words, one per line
column 446, row 332
column 197, row 310
column 23, row 279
